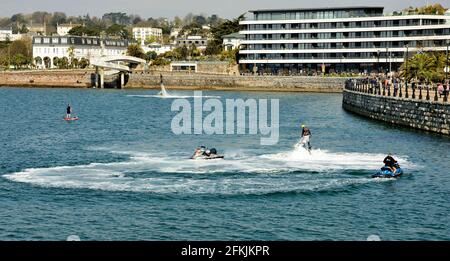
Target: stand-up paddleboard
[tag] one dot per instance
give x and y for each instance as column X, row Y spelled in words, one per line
column 71, row 119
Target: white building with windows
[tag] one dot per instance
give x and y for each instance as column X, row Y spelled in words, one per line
column 140, row 34
column 232, row 41
column 47, row 48
column 5, row 34
column 157, row 48
column 199, row 41
column 63, row 29
column 360, row 39
column 174, row 32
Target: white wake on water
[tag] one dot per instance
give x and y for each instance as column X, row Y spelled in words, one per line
column 241, row 173
column 164, row 94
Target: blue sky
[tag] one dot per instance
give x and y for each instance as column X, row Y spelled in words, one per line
column 171, row 8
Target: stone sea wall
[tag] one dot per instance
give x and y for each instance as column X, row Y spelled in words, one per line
column 151, row 80
column 418, row 114
column 228, row 82
column 54, row 78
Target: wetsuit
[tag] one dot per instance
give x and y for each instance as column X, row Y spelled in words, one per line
column 69, row 111
column 306, row 132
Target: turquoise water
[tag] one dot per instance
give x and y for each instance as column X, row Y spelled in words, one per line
column 120, row 174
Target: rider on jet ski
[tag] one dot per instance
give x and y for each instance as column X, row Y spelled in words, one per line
column 203, row 152
column 391, row 163
column 305, row 140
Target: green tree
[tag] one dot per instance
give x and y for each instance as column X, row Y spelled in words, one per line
column 74, row 63
column 151, row 55
column 184, row 52
column 71, row 52
column 84, row 63
column 22, row 47
column 18, row 18
column 86, row 31
column 119, row 31
column 136, row 51
column 227, row 27
column 151, row 39
column 19, row 60
column 424, row 67
column 200, row 19
column 58, row 18
column 193, row 51
column 231, row 56
column 117, row 18
column 23, row 29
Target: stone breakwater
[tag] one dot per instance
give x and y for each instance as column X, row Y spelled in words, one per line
column 418, row 114
column 226, row 82
column 54, row 78
column 86, row 79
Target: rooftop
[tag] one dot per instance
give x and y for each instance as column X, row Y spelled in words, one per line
column 234, row 35
column 70, row 24
column 378, row 8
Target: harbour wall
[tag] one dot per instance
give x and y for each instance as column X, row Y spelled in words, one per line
column 418, row 114
column 53, row 78
column 151, row 80
column 230, row 82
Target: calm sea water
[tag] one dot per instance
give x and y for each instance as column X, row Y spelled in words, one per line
column 120, row 174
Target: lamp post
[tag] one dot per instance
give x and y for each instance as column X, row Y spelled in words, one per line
column 446, row 87
column 407, row 58
column 446, row 63
column 387, row 55
column 390, row 65
column 9, row 56
column 378, row 61
column 407, row 72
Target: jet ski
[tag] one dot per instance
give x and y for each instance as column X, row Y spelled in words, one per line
column 206, row 154
column 386, row 172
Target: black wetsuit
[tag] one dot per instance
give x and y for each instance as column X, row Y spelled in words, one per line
column 389, row 161
column 69, row 110
column 306, row 132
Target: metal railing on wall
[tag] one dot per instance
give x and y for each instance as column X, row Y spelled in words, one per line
column 396, row 88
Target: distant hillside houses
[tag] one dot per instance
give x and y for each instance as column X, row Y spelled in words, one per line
column 37, row 29
column 157, row 48
column 141, row 34
column 6, row 34
column 232, row 41
column 63, row 29
column 199, row 41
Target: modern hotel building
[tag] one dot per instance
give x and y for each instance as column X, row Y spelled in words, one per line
column 361, row 39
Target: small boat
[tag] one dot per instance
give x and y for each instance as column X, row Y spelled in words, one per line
column 386, row 172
